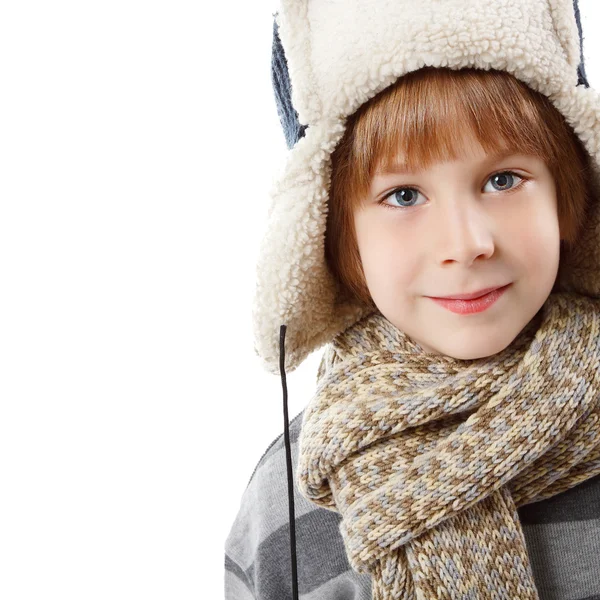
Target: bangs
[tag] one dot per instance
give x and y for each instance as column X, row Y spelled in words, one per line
column 425, row 118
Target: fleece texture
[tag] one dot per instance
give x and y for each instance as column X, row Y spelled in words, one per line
column 340, row 54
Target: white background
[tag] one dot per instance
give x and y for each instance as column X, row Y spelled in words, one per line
column 138, row 141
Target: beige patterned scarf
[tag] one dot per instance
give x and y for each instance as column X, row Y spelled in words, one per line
column 427, row 457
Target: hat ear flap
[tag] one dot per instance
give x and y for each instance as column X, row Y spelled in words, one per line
column 582, row 77
column 280, row 79
column 566, row 19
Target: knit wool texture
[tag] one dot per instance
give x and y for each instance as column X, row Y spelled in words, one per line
column 427, row 457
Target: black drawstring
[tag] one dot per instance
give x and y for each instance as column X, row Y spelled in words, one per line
column 288, row 453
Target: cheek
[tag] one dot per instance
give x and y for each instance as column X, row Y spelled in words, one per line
column 389, row 257
column 533, row 238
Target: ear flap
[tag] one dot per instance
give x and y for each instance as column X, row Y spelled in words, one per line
column 567, row 26
column 282, row 88
column 582, row 77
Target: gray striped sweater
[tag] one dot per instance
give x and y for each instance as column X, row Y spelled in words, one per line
column 562, row 536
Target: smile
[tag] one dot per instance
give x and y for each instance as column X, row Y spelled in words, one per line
column 467, row 307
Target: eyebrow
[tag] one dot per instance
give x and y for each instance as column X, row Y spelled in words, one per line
column 398, row 168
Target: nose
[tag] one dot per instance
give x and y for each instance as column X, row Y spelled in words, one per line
column 464, row 233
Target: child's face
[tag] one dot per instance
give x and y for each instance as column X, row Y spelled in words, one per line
column 467, row 228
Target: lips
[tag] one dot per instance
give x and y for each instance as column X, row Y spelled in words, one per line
column 473, row 306
column 471, row 296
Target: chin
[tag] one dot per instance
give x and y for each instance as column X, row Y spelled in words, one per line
column 466, row 351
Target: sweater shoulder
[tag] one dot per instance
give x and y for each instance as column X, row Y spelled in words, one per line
column 264, row 506
column 278, row 444
column 257, row 550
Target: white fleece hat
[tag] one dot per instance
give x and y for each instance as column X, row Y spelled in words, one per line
column 332, row 56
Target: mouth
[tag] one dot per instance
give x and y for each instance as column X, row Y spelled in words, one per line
column 474, row 305
column 471, row 296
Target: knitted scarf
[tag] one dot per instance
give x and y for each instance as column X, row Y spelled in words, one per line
column 427, row 457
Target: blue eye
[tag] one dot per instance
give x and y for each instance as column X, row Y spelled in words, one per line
column 505, row 178
column 406, row 196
